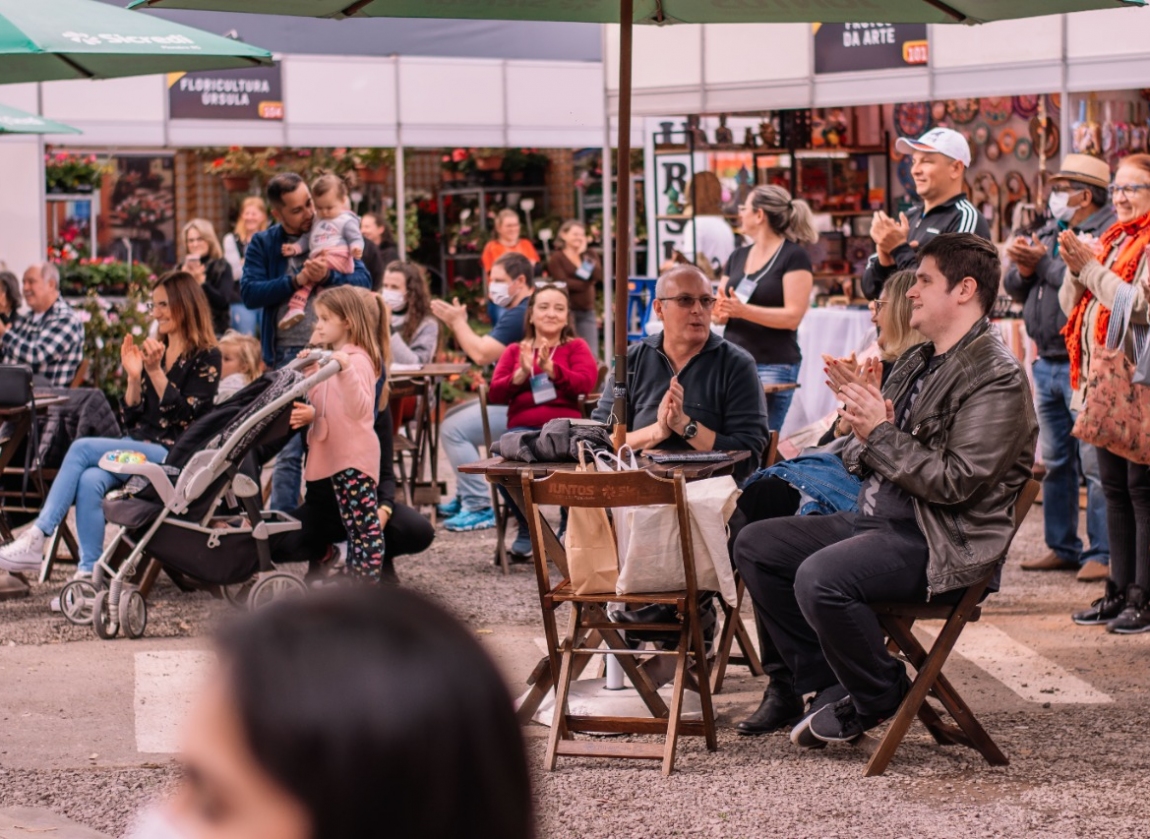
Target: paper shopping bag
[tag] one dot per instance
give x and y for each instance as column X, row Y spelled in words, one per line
column 592, row 554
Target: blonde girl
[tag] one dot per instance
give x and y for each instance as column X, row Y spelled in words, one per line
column 342, row 442
column 240, row 356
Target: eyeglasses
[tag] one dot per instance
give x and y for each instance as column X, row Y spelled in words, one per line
column 686, row 301
column 558, row 284
column 1126, row 190
column 876, row 305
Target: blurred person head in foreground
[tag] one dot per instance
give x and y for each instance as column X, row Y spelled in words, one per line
column 356, row 712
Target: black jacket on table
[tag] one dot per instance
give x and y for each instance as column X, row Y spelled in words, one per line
column 162, row 418
column 1039, row 292
column 220, row 289
column 955, row 215
column 721, row 390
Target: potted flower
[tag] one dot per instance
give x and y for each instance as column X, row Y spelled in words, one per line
column 237, row 166
column 372, row 166
column 489, row 160
column 65, row 172
column 457, row 165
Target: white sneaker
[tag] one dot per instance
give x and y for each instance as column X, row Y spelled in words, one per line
column 25, row 553
column 82, row 575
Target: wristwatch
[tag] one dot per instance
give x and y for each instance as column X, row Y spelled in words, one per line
column 691, row 430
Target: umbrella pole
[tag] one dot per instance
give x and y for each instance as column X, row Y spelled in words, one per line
column 623, row 220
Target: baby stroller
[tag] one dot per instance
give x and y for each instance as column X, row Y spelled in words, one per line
column 198, row 514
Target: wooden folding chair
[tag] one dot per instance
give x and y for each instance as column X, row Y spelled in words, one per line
column 589, row 615
column 897, row 620
column 733, row 627
column 498, row 504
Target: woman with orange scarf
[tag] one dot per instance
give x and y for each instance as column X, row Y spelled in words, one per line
column 1093, row 278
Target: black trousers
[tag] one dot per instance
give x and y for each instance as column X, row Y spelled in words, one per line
column 766, row 498
column 407, row 531
column 1126, row 486
column 811, row 578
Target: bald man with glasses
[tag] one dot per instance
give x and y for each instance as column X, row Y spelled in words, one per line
column 689, row 388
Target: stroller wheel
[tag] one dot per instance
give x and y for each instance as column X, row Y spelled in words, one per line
column 76, row 602
column 238, row 594
column 103, row 621
column 273, row 587
column 133, row 614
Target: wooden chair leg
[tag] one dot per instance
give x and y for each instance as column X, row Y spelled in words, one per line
column 734, row 630
column 700, row 653
column 676, row 707
column 562, row 688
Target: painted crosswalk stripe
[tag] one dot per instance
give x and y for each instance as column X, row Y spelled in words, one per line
column 1030, row 675
column 166, row 683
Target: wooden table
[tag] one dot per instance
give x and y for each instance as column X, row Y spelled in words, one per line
column 506, row 473
column 20, row 419
column 780, row 388
column 428, row 379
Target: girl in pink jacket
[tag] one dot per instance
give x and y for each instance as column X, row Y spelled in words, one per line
column 342, row 443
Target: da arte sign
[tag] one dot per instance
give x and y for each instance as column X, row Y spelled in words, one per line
column 248, row 93
column 846, row 47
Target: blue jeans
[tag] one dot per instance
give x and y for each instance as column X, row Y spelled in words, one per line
column 778, row 403
column 244, row 320
column 1063, row 456
column 287, row 476
column 460, row 438
column 82, row 482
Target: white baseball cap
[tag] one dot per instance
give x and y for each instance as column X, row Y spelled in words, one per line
column 942, row 140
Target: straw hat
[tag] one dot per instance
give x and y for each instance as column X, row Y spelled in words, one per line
column 1084, row 169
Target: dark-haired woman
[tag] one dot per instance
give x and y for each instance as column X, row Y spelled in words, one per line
column 414, row 330
column 542, row 377
column 9, row 296
column 171, row 382
column 767, row 290
column 354, row 713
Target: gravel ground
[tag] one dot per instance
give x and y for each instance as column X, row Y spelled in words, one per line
column 1073, row 770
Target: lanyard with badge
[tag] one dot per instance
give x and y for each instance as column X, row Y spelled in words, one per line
column 749, row 282
column 585, row 269
column 542, row 388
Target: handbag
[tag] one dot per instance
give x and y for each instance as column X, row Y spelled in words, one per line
column 592, row 553
column 1115, row 414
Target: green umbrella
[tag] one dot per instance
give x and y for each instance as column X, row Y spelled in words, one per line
column 14, row 121
column 46, row 40
column 659, row 11
column 626, row 12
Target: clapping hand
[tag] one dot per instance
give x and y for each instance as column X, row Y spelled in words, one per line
column 671, row 415
column 841, row 371
column 887, row 233
column 729, row 304
column 864, row 408
column 1075, row 253
column 454, row 314
column 722, row 311
column 546, row 361
column 131, row 358
column 1025, row 254
column 153, row 354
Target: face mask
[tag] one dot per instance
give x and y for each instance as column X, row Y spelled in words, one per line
column 156, row 823
column 1059, row 206
column 396, row 300
column 499, row 293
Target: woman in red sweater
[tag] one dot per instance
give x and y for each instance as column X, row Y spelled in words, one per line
column 542, row 377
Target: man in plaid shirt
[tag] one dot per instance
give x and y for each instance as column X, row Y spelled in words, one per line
column 50, row 337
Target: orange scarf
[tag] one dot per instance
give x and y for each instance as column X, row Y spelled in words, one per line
column 1137, row 233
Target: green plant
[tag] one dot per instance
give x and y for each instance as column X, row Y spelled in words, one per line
column 412, row 233
column 237, row 161
column 371, row 158
column 104, row 276
column 65, row 172
column 105, row 326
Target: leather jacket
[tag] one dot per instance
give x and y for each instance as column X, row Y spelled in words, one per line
column 967, row 455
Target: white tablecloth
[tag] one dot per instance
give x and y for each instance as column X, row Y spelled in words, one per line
column 837, row 332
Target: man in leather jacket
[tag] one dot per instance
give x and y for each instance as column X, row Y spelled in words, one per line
column 943, row 451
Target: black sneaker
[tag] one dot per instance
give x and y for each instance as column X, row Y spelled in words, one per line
column 1135, row 618
column 1103, row 610
column 801, row 734
column 841, row 722
column 781, row 707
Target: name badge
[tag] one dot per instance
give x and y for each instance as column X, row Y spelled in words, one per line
column 744, row 293
column 542, row 388
column 584, row 271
